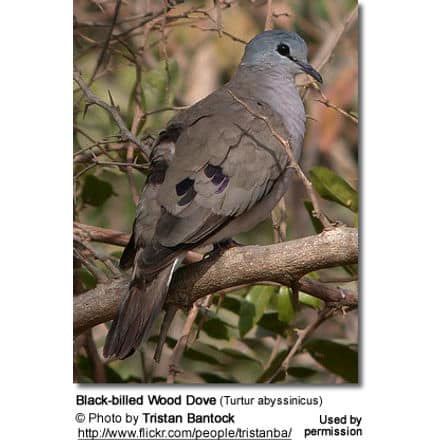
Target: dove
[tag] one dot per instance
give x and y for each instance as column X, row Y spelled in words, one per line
column 217, row 170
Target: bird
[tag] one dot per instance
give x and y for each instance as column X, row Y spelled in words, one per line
column 216, row 170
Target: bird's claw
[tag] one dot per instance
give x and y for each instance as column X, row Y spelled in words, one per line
column 220, row 247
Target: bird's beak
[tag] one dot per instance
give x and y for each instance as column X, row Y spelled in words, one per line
column 307, row 68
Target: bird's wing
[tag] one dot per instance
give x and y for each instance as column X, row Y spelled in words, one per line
column 226, row 160
column 148, row 210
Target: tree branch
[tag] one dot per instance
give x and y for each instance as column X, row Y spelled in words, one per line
column 117, row 238
column 103, row 235
column 106, row 42
column 328, row 46
column 126, row 134
column 282, row 263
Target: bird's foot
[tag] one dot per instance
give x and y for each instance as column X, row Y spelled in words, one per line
column 228, row 243
column 221, row 246
column 333, row 225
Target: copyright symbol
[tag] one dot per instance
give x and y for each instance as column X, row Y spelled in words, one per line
column 80, row 417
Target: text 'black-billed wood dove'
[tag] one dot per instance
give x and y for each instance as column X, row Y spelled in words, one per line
column 216, row 170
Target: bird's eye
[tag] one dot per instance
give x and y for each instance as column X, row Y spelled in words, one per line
column 283, row 49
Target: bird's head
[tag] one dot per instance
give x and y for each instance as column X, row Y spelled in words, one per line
column 279, row 48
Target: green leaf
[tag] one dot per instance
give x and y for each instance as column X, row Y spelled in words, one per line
column 86, row 277
column 236, row 354
column 286, row 313
column 195, row 355
column 85, row 368
column 271, row 322
column 159, row 379
column 253, row 307
column 338, row 358
column 116, row 254
column 216, row 328
column 309, row 300
column 351, row 269
column 317, row 225
column 260, row 296
column 231, row 303
column 112, row 376
column 132, row 379
column 169, row 341
column 332, row 187
column 215, row 378
column 301, row 372
column 96, row 191
column 247, row 317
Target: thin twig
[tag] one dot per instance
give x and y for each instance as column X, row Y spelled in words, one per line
column 105, row 259
column 275, row 349
column 98, row 148
column 218, row 17
column 100, row 276
column 106, row 42
column 138, row 111
column 121, row 164
column 126, row 134
column 183, row 342
column 279, row 221
column 228, row 34
column 327, row 48
column 103, row 235
column 323, row 315
column 146, row 373
column 98, row 366
column 117, row 238
column 174, row 368
column 165, row 109
column 119, row 22
column 83, row 171
column 328, row 104
column 150, row 17
column 268, row 24
column 207, row 302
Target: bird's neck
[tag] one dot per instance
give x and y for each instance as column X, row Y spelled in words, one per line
column 276, row 87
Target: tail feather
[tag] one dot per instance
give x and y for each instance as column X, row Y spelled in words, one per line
column 127, row 257
column 166, row 323
column 137, row 313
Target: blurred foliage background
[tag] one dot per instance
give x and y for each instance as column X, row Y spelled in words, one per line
column 151, row 59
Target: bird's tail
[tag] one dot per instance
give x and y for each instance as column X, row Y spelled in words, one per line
column 142, row 304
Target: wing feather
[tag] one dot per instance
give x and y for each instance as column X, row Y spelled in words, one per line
column 224, row 161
